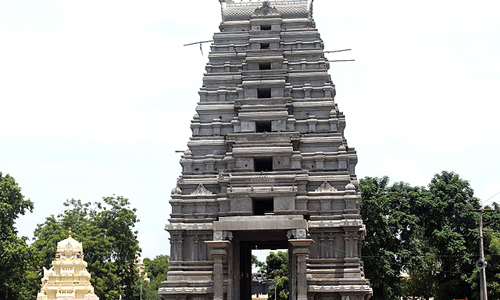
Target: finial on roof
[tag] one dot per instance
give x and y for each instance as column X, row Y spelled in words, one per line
column 70, row 233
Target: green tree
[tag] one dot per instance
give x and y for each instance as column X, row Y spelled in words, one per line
column 14, row 252
column 106, row 230
column 425, row 232
column 276, row 268
column 452, row 231
column 493, row 267
column 257, row 263
column 156, row 269
column 381, row 244
column 389, row 246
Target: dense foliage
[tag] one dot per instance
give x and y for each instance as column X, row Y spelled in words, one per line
column 14, row 252
column 110, row 243
column 156, row 270
column 426, row 233
column 276, row 269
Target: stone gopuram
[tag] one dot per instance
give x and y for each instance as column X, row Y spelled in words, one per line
column 68, row 277
column 267, row 166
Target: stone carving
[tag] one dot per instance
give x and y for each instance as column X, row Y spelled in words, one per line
column 217, row 235
column 325, row 188
column 262, row 178
column 350, row 187
column 298, row 234
column 201, row 191
column 311, row 7
column 220, row 235
column 176, row 191
column 265, row 10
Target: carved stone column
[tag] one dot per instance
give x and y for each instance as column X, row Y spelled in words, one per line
column 218, row 252
column 176, row 241
column 300, row 252
column 196, row 248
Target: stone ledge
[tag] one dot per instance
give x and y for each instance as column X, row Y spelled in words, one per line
column 340, row 288
column 185, row 290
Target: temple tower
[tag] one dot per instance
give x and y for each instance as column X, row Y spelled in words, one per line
column 267, row 166
column 68, row 277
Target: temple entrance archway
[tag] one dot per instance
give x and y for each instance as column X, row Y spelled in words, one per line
column 234, row 239
column 248, row 241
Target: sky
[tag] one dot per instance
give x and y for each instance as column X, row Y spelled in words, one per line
column 96, row 96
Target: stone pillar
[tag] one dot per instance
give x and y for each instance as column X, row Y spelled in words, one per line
column 322, row 245
column 331, row 246
column 355, row 245
column 218, row 252
column 312, row 121
column 195, row 249
column 301, row 252
column 176, row 241
column 307, row 91
column 347, row 249
column 216, row 125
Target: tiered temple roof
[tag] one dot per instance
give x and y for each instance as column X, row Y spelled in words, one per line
column 267, row 166
column 68, row 277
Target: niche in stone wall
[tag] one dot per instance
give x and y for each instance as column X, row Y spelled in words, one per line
column 262, row 206
column 263, row 164
column 263, row 126
column 265, row 66
column 264, row 46
column 263, row 93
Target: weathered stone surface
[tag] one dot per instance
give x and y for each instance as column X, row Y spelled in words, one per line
column 267, row 165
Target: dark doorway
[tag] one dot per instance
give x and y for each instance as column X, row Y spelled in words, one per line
column 263, row 164
column 265, row 66
column 264, row 93
column 263, row 126
column 248, row 286
column 262, row 206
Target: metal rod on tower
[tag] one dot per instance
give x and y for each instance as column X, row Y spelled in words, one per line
column 341, row 60
column 335, row 51
column 201, row 42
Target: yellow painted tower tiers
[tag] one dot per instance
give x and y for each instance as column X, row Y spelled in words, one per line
column 68, row 277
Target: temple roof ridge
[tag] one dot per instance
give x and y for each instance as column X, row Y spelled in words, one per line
column 244, row 9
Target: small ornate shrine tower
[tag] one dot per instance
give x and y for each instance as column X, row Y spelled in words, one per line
column 68, row 277
column 267, row 166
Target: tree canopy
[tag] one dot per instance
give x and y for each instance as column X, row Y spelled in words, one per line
column 426, row 233
column 156, row 270
column 14, row 251
column 106, row 230
column 276, row 269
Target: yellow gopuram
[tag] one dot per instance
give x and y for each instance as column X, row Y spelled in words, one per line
column 68, row 277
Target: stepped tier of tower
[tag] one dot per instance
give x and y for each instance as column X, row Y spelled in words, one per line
column 267, row 164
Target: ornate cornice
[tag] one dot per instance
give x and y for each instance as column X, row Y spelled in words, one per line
column 243, row 10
